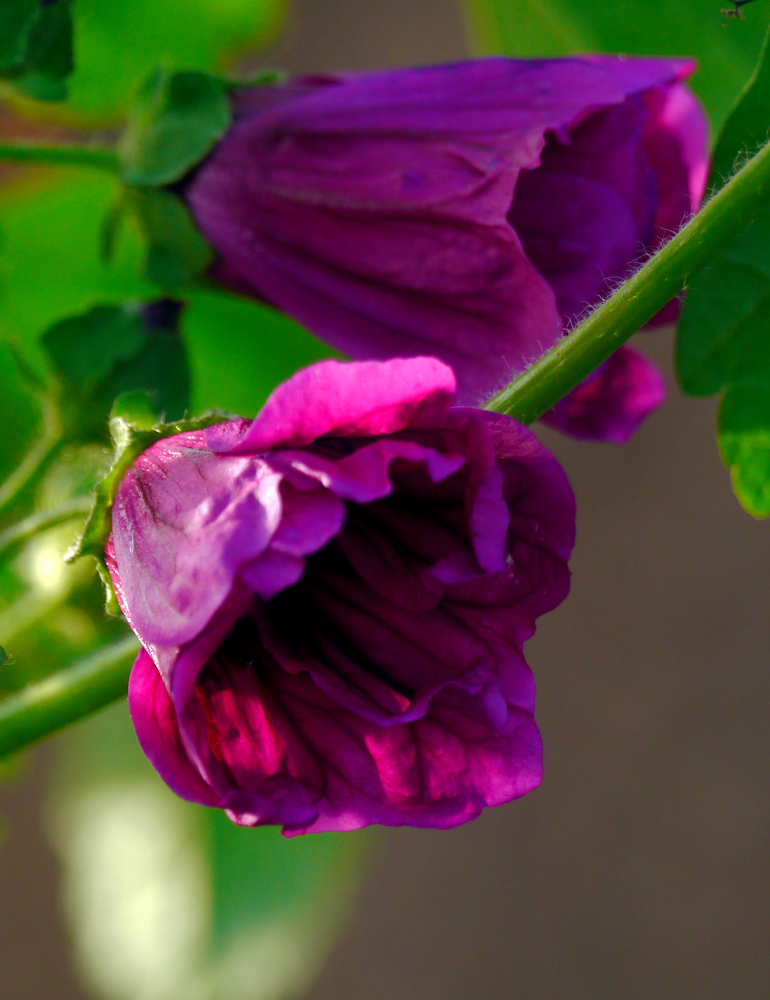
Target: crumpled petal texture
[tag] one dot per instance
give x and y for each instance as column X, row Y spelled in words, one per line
column 333, row 599
column 473, row 211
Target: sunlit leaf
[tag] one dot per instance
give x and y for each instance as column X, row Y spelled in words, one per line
column 168, row 901
column 637, row 27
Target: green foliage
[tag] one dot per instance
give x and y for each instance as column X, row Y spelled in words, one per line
column 726, row 54
column 176, row 251
column 174, row 122
column 172, row 900
column 51, row 268
column 111, row 350
column 118, row 44
column 723, row 342
column 36, row 46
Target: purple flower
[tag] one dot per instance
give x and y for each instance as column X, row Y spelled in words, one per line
column 471, row 211
column 333, row 598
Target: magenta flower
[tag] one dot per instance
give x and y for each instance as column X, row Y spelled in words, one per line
column 333, row 598
column 470, row 211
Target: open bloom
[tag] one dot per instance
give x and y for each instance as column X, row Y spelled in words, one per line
column 332, row 601
column 470, row 211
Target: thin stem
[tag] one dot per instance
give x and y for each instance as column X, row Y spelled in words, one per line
column 35, row 523
column 37, row 458
column 636, row 301
column 99, row 157
column 43, row 708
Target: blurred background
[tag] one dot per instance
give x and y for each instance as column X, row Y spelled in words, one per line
column 639, row 868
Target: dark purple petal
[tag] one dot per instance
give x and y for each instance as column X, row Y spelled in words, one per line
column 612, row 403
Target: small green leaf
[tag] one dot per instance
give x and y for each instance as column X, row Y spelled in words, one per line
column 176, row 251
column 176, row 120
column 744, row 443
column 723, row 340
column 16, row 19
column 36, row 46
column 111, row 350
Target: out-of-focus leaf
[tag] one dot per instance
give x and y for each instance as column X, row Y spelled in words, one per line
column 110, row 350
column 118, row 44
column 36, row 46
column 748, row 124
column 168, row 901
column 723, row 341
column 51, row 268
column 176, row 251
column 637, row 27
column 174, row 122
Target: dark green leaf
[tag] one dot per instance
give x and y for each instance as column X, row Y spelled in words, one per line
column 36, row 46
column 175, row 122
column 748, row 125
column 16, row 19
column 176, row 251
column 112, row 350
column 723, row 341
column 638, row 27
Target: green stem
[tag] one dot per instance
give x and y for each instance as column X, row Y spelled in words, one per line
column 35, row 523
column 43, row 708
column 637, row 300
column 99, row 157
column 37, row 458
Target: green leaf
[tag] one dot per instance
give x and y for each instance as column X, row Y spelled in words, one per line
column 744, row 443
column 118, row 44
column 723, row 345
column 112, row 350
column 36, row 46
column 748, row 125
column 175, row 121
column 637, row 27
column 171, row 900
column 176, row 251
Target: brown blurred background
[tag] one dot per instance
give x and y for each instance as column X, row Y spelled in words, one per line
column 640, row 868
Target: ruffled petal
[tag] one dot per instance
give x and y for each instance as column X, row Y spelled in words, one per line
column 333, row 398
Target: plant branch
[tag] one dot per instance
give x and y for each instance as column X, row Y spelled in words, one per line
column 98, row 157
column 637, row 300
column 41, row 521
column 65, row 697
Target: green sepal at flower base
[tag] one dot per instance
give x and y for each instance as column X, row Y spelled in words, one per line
column 133, row 428
column 175, row 121
column 36, row 46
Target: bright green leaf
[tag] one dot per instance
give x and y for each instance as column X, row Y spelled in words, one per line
column 744, row 442
column 174, row 122
column 726, row 54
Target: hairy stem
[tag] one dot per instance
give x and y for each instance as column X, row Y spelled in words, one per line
column 637, row 300
column 65, row 697
column 99, row 157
